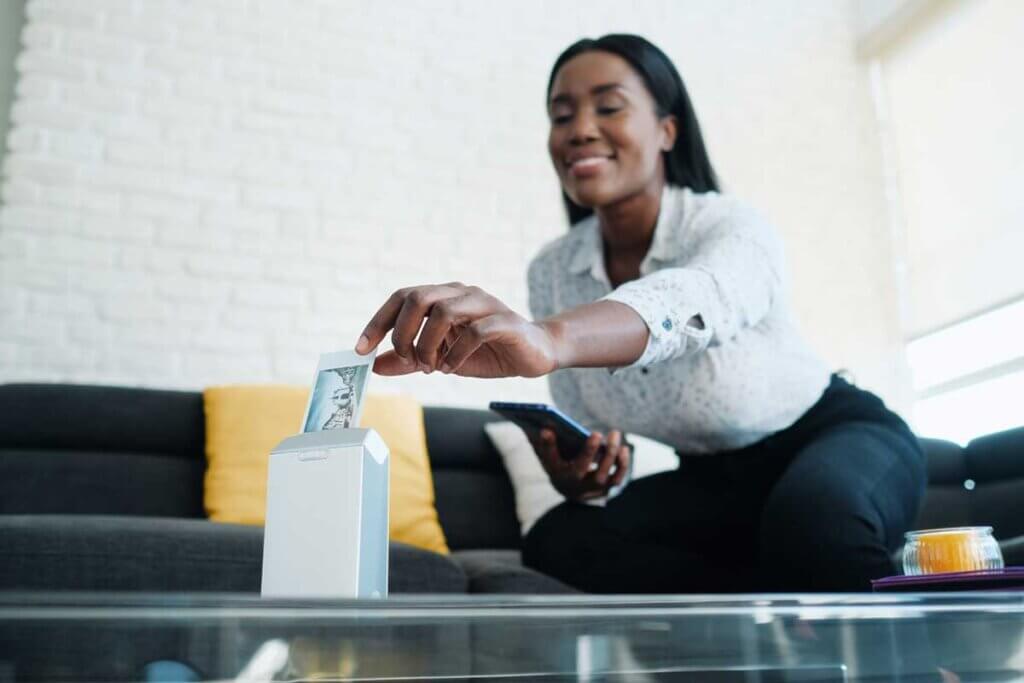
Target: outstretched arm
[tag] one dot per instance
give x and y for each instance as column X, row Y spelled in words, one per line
column 464, row 330
column 603, row 334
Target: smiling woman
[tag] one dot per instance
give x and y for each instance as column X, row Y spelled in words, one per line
column 643, row 81
column 663, row 312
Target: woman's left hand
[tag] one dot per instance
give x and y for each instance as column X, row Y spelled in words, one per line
column 465, row 331
column 589, row 474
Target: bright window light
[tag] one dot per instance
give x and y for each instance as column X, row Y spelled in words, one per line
column 985, row 341
column 976, row 410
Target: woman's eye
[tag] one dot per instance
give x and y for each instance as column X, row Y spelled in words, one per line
column 561, row 118
column 607, row 110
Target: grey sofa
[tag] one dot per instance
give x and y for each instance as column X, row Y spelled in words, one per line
column 101, row 489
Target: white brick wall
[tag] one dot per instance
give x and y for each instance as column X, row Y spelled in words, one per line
column 201, row 192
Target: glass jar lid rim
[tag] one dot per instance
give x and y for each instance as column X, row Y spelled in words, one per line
column 948, row 530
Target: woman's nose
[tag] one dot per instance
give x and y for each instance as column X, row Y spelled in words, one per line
column 583, row 128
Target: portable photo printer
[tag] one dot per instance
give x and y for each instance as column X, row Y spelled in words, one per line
column 327, row 516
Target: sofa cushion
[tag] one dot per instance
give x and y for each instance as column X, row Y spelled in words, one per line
column 947, row 463
column 502, row 571
column 946, row 502
column 244, row 423
column 995, row 463
column 1013, row 551
column 997, row 457
column 85, row 552
column 44, row 481
column 456, row 439
column 100, row 450
column 102, row 419
column 100, row 553
column 473, row 494
column 476, row 510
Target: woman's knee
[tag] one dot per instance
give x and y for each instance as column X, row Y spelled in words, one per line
column 829, row 540
column 861, row 482
column 552, row 546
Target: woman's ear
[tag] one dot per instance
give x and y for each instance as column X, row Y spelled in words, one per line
column 669, row 131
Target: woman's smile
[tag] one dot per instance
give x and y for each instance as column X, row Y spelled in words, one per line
column 587, row 166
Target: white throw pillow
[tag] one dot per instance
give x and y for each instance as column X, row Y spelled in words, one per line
column 533, row 490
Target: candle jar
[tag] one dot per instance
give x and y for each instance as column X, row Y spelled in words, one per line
column 956, row 549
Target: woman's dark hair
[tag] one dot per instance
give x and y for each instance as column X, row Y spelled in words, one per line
column 687, row 163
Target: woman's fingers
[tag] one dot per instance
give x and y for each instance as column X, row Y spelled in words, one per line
column 381, row 322
column 409, row 300
column 622, row 464
column 390, row 363
column 417, row 306
column 549, row 455
column 441, row 319
column 582, row 463
column 601, row 464
column 471, row 337
column 611, row 454
column 440, row 326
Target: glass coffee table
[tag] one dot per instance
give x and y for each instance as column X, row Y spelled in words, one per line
column 137, row 637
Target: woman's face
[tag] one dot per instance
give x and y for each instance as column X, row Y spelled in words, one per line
column 606, row 138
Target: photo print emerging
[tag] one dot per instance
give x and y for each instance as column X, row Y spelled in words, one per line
column 339, row 388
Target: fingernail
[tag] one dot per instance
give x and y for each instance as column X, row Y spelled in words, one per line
column 363, row 345
column 445, row 368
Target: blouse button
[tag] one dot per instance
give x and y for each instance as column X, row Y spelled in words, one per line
column 643, row 370
column 667, row 324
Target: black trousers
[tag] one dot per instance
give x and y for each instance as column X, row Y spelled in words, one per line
column 819, row 506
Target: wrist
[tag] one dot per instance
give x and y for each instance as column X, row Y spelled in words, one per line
column 557, row 334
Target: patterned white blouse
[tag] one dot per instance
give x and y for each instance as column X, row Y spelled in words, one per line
column 745, row 375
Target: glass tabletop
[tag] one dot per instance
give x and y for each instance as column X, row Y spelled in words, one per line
column 943, row 637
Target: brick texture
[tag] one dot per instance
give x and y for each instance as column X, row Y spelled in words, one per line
column 200, row 192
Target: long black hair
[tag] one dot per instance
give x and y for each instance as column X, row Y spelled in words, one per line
column 687, row 163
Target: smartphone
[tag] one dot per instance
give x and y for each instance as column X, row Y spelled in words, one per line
column 570, row 435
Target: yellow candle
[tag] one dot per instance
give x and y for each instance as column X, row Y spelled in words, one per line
column 948, row 551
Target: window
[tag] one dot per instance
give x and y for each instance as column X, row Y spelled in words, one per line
column 969, row 377
column 950, row 104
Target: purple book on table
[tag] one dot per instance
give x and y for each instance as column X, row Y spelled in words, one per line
column 1008, row 579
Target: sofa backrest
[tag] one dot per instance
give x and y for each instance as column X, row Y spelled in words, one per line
column 73, row 449
column 70, row 449
column 946, row 501
column 982, row 484
column 474, row 496
column 995, row 463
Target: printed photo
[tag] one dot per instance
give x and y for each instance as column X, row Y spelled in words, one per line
column 339, row 387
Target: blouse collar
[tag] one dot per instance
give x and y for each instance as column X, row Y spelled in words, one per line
column 589, row 255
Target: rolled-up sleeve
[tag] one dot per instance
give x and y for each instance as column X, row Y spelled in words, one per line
column 729, row 282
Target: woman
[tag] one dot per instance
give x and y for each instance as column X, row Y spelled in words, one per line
column 663, row 312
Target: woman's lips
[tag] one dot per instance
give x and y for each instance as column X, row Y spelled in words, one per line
column 588, row 167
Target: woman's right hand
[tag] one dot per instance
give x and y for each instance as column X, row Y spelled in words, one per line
column 579, row 479
column 465, row 331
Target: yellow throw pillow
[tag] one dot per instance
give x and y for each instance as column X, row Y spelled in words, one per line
column 243, row 424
